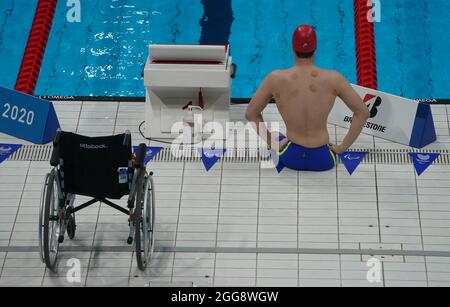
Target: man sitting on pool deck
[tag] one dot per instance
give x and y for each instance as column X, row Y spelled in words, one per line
column 305, row 95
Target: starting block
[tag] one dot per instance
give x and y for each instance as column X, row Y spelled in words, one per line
column 178, row 75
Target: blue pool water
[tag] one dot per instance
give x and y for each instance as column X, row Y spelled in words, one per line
column 413, row 47
column 104, row 54
column 15, row 22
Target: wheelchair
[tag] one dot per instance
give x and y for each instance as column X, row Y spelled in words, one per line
column 100, row 168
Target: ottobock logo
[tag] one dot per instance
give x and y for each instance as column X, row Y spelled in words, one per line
column 87, row 146
column 149, row 153
column 4, row 150
column 423, row 159
column 373, row 102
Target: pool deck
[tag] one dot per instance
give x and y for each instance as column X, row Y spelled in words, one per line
column 240, row 224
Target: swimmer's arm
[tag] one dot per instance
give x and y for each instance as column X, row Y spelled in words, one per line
column 256, row 107
column 355, row 103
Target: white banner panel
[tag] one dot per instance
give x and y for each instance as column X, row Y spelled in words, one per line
column 391, row 117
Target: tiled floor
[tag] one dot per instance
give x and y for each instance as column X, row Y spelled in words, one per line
column 240, row 224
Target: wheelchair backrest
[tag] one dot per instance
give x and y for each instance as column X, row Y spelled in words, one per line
column 98, row 167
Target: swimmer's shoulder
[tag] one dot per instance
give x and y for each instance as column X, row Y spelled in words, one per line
column 336, row 80
column 277, row 76
column 332, row 75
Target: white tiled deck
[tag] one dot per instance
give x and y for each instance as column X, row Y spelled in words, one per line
column 240, row 224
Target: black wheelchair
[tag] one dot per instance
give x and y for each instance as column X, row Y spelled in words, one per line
column 102, row 168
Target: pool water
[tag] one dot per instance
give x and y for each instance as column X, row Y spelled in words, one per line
column 413, row 47
column 15, row 23
column 104, row 54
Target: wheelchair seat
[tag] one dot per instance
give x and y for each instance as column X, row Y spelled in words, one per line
column 95, row 166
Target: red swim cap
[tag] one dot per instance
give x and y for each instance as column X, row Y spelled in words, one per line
column 304, row 39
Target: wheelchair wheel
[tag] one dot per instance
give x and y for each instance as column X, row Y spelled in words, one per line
column 71, row 226
column 145, row 223
column 50, row 223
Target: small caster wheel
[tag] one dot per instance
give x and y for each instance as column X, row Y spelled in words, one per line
column 130, row 240
column 233, row 71
column 60, row 239
column 71, row 227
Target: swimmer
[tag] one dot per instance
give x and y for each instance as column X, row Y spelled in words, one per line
column 305, row 98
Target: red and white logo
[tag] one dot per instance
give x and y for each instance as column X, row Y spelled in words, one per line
column 373, row 102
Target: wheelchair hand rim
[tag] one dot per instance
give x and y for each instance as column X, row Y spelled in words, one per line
column 56, row 227
column 147, row 223
column 41, row 217
column 52, row 223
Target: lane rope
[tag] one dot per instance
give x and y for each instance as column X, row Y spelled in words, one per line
column 35, row 48
column 366, row 66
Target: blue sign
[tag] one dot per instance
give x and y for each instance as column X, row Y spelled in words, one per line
column 352, row 160
column 422, row 161
column 210, row 157
column 27, row 117
column 151, row 153
column 424, row 132
column 7, row 150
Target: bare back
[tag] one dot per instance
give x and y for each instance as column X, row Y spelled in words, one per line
column 305, row 97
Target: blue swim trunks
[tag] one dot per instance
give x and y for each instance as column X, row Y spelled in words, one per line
column 300, row 158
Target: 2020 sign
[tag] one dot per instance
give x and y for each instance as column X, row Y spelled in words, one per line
column 21, row 115
column 27, row 117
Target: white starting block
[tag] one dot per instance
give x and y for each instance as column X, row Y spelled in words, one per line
column 393, row 118
column 174, row 76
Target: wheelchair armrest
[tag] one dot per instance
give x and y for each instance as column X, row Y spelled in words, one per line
column 140, row 156
column 54, row 160
column 127, row 138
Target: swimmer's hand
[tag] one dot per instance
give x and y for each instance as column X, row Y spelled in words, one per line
column 337, row 149
column 283, row 143
column 279, row 146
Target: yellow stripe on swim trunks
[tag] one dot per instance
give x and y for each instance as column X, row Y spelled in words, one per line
column 334, row 157
column 284, row 150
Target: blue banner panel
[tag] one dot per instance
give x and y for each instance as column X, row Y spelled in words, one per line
column 352, row 160
column 424, row 131
column 422, row 161
column 7, row 150
column 27, row 117
column 210, row 157
column 151, row 153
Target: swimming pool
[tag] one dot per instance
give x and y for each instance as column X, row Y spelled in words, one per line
column 15, row 23
column 413, row 48
column 104, row 54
